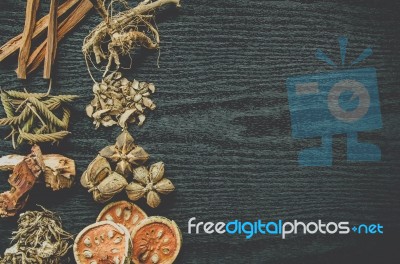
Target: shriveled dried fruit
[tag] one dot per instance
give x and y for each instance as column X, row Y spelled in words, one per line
column 119, row 101
column 103, row 242
column 149, row 182
column 125, row 154
column 125, row 213
column 156, row 240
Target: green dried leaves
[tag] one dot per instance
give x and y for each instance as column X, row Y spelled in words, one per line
column 36, row 117
column 118, row 101
column 40, row 238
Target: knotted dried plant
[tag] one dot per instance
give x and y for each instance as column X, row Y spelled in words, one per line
column 123, row 32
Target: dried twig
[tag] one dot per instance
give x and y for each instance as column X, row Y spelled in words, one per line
column 51, row 40
column 70, row 22
column 30, row 21
column 14, row 44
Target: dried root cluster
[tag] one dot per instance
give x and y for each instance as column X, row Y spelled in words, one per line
column 121, row 33
column 36, row 117
column 40, row 239
column 127, row 160
column 118, row 101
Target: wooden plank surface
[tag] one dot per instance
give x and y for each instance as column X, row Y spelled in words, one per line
column 222, row 126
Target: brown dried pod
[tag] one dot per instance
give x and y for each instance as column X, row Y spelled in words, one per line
column 103, row 242
column 97, row 170
column 149, row 183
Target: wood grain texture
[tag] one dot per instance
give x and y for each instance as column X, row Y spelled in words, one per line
column 222, row 126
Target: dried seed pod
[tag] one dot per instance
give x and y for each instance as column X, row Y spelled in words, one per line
column 114, row 249
column 164, row 186
column 149, row 183
column 156, row 240
column 135, row 191
column 111, row 185
column 153, row 199
column 122, row 212
column 97, row 170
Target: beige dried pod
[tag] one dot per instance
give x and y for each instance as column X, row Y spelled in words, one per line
column 135, row 191
column 156, row 172
column 153, row 199
column 164, row 186
column 141, row 174
column 112, row 184
column 97, row 170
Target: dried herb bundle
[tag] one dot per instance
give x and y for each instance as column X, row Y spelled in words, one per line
column 123, row 32
column 33, row 116
column 118, row 101
column 40, row 238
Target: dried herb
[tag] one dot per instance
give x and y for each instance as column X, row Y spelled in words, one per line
column 125, row 153
column 30, row 21
column 37, row 56
column 33, row 116
column 40, row 239
column 149, row 183
column 15, row 43
column 118, row 101
column 58, row 172
column 51, row 40
column 122, row 32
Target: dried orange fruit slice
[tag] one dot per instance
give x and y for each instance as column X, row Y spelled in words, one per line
column 124, row 213
column 156, row 240
column 103, row 242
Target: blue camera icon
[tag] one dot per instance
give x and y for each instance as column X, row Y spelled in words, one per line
column 339, row 102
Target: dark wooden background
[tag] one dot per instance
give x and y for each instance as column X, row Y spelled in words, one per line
column 222, row 126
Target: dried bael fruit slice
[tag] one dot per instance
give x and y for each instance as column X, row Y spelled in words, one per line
column 156, row 240
column 124, row 213
column 103, row 242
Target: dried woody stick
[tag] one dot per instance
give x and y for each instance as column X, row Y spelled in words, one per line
column 51, row 40
column 30, row 21
column 70, row 22
column 14, row 44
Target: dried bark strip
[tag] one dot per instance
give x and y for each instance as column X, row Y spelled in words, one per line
column 14, row 44
column 70, row 22
column 30, row 21
column 51, row 40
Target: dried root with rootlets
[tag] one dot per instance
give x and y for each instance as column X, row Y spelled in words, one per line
column 121, row 33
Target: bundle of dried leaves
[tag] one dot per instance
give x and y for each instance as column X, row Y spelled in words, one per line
column 118, row 101
column 123, row 32
column 40, row 238
column 33, row 116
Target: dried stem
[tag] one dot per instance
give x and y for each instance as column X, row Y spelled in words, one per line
column 51, row 40
column 30, row 21
column 70, row 22
column 15, row 43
